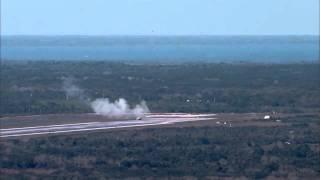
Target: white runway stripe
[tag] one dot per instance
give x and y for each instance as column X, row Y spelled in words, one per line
column 151, row 120
column 55, row 125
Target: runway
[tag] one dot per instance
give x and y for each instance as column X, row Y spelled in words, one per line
column 151, row 119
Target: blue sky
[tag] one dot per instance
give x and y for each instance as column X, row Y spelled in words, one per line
column 160, row 17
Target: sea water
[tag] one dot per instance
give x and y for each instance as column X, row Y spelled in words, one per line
column 269, row 49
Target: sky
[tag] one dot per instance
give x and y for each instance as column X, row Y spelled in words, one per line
column 159, row 17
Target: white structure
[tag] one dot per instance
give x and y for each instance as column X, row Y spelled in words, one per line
column 266, row 117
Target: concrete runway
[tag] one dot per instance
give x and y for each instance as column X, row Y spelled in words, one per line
column 152, row 119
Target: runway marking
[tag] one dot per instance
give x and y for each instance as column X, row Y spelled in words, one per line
column 77, row 130
column 90, row 126
column 179, row 115
column 55, row 125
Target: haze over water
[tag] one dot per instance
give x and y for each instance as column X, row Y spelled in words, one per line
column 265, row 49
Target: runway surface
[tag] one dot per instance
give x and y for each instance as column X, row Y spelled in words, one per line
column 152, row 119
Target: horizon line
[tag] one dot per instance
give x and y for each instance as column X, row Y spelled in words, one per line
column 151, row 35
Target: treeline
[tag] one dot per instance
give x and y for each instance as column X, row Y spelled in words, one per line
column 36, row 87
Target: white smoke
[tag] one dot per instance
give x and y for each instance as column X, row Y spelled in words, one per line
column 119, row 108
column 71, row 90
column 102, row 106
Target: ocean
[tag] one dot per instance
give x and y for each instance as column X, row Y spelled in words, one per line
column 228, row 49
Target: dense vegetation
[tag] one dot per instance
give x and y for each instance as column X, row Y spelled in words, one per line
column 36, row 87
column 286, row 152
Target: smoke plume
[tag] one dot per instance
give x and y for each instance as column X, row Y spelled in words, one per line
column 103, row 106
column 119, row 108
column 72, row 90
